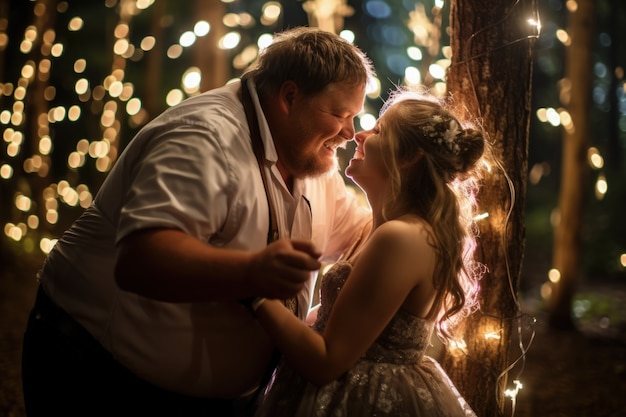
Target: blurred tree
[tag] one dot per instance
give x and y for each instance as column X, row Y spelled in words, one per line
column 154, row 63
column 576, row 94
column 211, row 61
column 603, row 240
column 617, row 17
column 327, row 14
column 491, row 76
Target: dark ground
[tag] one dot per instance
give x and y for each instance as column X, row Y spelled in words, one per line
column 566, row 374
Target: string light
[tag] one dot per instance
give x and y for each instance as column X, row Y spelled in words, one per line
column 536, row 24
column 512, row 393
column 458, row 345
column 481, row 216
column 493, row 335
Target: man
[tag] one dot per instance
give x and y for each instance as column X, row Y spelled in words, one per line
column 138, row 311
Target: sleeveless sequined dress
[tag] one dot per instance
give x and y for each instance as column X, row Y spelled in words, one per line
column 394, row 378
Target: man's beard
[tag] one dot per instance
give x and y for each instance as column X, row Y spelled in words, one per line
column 313, row 168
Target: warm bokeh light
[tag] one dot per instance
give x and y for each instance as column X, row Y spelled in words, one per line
column 367, row 121
column 601, row 187
column 596, row 160
column 554, row 275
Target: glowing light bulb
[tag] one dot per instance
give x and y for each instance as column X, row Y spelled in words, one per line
column 492, row 335
column 512, row 393
column 481, row 216
column 536, row 24
column 459, row 345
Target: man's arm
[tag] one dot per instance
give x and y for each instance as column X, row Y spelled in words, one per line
column 171, row 266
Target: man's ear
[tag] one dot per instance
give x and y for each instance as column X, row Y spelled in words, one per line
column 287, row 94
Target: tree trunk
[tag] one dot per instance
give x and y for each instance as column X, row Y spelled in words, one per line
column 153, row 81
column 491, row 75
column 4, row 17
column 613, row 153
column 211, row 60
column 575, row 169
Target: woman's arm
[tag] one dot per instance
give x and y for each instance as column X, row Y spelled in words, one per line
column 375, row 290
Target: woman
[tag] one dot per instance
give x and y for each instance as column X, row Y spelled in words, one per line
column 365, row 353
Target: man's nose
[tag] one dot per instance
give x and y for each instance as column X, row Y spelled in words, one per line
column 347, row 132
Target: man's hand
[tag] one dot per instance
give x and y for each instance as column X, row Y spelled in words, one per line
column 281, row 269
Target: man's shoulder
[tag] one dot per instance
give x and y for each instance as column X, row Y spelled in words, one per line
column 214, row 112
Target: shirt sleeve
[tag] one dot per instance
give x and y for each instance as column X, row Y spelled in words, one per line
column 341, row 220
column 180, row 182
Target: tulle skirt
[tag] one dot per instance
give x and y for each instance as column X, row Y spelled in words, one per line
column 368, row 389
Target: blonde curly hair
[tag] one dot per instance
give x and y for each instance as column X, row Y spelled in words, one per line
column 435, row 169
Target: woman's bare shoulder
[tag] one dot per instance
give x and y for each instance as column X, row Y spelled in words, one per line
column 408, row 233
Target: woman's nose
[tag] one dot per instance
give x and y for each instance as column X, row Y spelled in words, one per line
column 359, row 138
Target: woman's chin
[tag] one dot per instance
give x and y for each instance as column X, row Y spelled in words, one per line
column 350, row 169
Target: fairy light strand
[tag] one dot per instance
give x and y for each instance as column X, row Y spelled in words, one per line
column 534, row 22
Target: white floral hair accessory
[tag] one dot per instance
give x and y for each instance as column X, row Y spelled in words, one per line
column 443, row 131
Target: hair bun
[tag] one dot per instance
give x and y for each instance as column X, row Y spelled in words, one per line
column 472, row 145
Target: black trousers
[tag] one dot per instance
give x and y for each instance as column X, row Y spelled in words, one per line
column 66, row 372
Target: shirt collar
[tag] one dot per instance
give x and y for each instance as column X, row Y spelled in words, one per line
column 266, row 135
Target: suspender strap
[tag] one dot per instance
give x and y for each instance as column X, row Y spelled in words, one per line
column 272, row 234
column 259, row 152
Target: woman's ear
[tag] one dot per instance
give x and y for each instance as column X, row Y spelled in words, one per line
column 414, row 160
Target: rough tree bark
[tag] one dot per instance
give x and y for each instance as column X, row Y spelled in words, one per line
column 491, row 76
column 575, row 169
